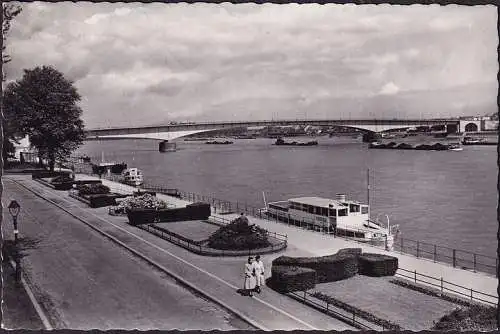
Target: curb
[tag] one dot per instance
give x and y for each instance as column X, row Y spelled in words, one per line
column 38, row 308
column 155, row 264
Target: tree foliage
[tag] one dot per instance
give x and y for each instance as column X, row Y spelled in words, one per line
column 44, row 105
column 10, row 11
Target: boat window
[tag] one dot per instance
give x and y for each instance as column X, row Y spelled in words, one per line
column 317, row 210
column 342, row 212
column 324, row 212
column 310, row 209
column 333, row 213
column 353, row 208
column 364, row 210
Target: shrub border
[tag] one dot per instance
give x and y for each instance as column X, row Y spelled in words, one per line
column 359, row 312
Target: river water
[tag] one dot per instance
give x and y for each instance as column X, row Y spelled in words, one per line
column 446, row 198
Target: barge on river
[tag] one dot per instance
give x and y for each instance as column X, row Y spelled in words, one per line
column 340, row 217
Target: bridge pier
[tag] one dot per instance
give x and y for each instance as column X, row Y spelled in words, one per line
column 165, row 146
column 369, row 137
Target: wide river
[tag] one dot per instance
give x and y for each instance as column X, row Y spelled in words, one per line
column 447, row 198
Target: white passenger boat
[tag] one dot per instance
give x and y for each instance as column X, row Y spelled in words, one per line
column 132, row 177
column 341, row 217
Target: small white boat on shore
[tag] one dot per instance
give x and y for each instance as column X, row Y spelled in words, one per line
column 132, row 177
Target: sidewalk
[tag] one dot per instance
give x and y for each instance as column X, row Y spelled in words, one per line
column 218, row 278
column 17, row 310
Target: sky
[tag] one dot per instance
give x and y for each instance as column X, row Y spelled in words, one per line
column 143, row 64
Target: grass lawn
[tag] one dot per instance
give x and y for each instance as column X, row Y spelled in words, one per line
column 194, row 229
column 410, row 309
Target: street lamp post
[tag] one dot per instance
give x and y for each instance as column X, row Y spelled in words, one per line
column 14, row 209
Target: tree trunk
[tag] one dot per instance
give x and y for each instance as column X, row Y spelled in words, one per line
column 52, row 161
column 40, row 160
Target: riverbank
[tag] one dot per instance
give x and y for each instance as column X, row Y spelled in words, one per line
column 229, row 270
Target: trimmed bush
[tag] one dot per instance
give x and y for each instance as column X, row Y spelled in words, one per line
column 61, row 179
column 329, row 268
column 475, row 318
column 239, row 235
column 91, row 189
column 152, row 213
column 371, row 264
column 288, row 279
column 47, row 173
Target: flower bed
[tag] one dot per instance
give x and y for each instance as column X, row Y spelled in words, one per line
column 288, row 279
column 237, row 235
column 371, row 264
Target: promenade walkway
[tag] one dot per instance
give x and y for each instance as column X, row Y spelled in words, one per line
column 218, row 278
column 317, row 244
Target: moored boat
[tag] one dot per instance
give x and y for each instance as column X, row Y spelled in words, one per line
column 340, row 216
column 455, row 147
column 132, row 177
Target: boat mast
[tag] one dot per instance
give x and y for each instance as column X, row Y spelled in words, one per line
column 368, row 190
column 264, row 196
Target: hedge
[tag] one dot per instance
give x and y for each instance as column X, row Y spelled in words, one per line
column 102, row 200
column 329, row 268
column 288, row 279
column 47, row 173
column 371, row 264
column 91, row 189
column 195, row 211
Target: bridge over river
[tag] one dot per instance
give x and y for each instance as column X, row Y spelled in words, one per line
column 176, row 130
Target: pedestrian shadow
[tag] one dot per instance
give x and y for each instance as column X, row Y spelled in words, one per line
column 243, row 292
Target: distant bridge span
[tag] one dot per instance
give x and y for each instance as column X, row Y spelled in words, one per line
column 174, row 131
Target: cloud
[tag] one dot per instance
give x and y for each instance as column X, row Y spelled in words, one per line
column 389, row 88
column 212, row 61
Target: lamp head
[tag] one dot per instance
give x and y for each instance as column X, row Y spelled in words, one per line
column 14, row 208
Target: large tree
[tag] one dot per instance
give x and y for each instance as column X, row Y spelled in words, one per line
column 44, row 105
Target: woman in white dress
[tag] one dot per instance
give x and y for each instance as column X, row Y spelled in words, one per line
column 249, row 276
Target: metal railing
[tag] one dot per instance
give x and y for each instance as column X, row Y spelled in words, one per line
column 334, row 311
column 456, row 257
column 446, row 286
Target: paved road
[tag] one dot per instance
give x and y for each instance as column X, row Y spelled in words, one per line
column 85, row 281
column 218, row 277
